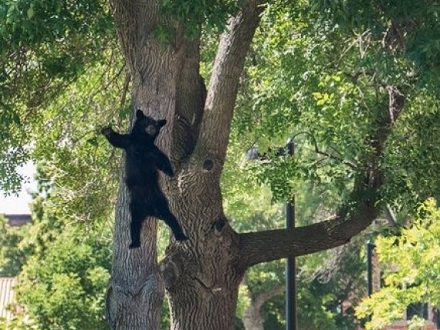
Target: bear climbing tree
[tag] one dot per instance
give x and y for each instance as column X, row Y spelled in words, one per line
column 143, row 160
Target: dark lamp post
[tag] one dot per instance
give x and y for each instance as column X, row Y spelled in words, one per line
column 291, row 299
column 291, row 295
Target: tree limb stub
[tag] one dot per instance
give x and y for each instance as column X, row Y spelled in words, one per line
column 252, row 316
column 262, row 298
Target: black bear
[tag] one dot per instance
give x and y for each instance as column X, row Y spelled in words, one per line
column 143, row 160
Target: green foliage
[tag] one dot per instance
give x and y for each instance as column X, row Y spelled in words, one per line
column 413, row 153
column 73, row 156
column 319, row 296
column 63, row 281
column 44, row 46
column 62, row 267
column 62, row 94
column 17, row 323
column 326, row 279
column 316, row 72
column 411, row 266
column 324, row 85
column 322, row 80
column 194, row 14
column 65, row 289
column 408, row 27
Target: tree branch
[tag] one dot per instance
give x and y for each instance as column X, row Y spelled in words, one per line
column 259, row 300
column 258, row 247
column 190, row 101
column 223, row 86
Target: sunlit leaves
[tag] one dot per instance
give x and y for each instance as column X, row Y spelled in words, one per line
column 64, row 288
column 324, row 84
column 411, row 266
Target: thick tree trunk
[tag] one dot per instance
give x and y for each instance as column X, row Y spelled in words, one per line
column 202, row 277
column 135, row 289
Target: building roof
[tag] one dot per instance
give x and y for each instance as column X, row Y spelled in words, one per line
column 18, row 219
column 6, row 296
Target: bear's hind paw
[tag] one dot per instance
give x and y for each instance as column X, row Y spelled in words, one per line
column 134, row 245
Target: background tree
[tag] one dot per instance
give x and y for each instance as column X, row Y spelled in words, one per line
column 346, row 103
column 62, row 267
column 325, row 279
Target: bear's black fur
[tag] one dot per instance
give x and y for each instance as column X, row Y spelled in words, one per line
column 143, row 159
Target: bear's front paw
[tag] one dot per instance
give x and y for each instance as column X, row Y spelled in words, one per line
column 106, row 131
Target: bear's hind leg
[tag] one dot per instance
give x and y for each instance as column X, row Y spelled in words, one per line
column 169, row 218
column 137, row 218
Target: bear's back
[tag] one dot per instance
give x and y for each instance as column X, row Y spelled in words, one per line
column 141, row 167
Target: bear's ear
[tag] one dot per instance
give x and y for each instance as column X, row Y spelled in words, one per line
column 139, row 114
column 161, row 122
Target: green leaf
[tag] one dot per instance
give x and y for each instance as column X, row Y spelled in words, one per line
column 30, row 12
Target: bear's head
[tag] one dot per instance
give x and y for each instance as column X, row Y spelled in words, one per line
column 147, row 127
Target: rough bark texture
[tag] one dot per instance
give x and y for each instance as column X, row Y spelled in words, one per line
column 202, row 275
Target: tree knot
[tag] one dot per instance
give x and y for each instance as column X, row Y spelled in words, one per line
column 208, row 165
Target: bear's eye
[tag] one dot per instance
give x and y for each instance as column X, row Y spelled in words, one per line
column 150, row 130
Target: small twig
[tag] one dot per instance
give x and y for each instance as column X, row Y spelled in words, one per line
column 125, row 89
column 315, row 144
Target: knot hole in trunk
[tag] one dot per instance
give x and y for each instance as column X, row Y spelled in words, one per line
column 218, row 226
column 208, row 165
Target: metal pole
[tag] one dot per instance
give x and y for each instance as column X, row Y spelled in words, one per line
column 370, row 248
column 291, row 302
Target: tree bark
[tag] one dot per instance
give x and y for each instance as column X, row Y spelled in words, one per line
column 202, row 279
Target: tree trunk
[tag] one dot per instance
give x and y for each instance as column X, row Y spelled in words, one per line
column 135, row 291
column 202, row 277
